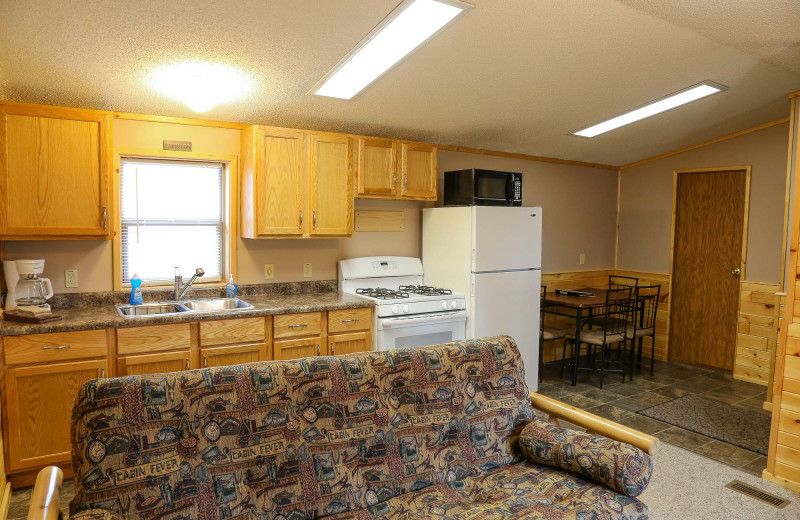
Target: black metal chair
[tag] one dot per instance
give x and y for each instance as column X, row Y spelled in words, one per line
column 617, row 312
column 546, row 333
column 615, row 280
column 643, row 325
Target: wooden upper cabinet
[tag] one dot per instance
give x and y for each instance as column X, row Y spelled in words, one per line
column 419, row 171
column 330, row 186
column 377, row 167
column 295, row 184
column 391, row 169
column 54, row 172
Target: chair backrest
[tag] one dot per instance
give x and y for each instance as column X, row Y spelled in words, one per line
column 542, row 306
column 618, row 310
column 303, row 438
column 647, row 298
column 615, row 281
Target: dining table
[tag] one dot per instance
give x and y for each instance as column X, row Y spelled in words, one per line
column 582, row 308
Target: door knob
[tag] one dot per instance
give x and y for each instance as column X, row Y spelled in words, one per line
column 736, row 272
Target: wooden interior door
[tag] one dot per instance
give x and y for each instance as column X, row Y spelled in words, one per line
column 708, row 250
column 419, row 171
column 39, row 408
column 377, row 167
column 281, row 178
column 331, row 185
column 350, row 343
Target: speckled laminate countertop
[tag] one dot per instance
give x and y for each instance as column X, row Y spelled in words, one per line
column 106, row 316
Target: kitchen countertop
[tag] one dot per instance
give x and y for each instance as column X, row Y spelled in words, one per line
column 106, row 316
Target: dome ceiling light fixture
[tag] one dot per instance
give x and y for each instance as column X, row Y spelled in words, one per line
column 201, row 85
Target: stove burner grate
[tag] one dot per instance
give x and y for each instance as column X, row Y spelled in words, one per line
column 382, row 294
column 425, row 290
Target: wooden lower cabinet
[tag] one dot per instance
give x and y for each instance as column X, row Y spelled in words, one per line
column 38, row 408
column 233, row 355
column 160, row 363
column 299, row 348
column 349, row 343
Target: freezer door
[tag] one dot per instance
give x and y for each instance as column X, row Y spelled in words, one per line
column 506, row 239
column 508, row 303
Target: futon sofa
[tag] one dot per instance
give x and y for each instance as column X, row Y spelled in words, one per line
column 442, row 432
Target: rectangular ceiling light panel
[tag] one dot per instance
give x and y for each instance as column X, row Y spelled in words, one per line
column 662, row 105
column 406, row 28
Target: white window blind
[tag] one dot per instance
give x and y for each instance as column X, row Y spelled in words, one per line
column 172, row 215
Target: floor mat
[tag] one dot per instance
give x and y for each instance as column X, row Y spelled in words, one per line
column 715, row 419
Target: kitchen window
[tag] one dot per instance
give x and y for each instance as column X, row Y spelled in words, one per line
column 172, row 213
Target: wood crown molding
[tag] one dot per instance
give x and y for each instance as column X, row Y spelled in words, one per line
column 706, row 143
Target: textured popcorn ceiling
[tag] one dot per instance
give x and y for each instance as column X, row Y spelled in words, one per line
column 513, row 75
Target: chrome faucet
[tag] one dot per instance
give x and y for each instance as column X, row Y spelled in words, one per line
column 179, row 292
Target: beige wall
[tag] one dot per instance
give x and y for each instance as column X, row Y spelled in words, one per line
column 579, row 206
column 646, row 202
column 93, row 259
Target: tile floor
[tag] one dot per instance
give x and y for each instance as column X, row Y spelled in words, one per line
column 620, row 402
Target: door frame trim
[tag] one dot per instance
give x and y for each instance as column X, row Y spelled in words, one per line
column 746, row 220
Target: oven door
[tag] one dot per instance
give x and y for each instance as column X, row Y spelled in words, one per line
column 421, row 330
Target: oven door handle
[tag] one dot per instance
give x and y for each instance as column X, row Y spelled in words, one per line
column 388, row 323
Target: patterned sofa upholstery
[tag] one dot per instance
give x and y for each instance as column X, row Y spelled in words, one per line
column 406, row 434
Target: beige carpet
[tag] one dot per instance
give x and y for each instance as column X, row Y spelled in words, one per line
column 687, row 486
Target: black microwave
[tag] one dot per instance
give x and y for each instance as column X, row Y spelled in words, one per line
column 476, row 187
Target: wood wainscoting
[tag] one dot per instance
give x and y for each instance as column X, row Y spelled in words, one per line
column 757, row 337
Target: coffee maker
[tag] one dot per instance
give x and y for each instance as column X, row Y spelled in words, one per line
column 25, row 284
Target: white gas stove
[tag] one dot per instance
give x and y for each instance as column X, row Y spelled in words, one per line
column 407, row 312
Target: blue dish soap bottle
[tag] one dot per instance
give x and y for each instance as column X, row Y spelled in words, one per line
column 231, row 289
column 136, row 289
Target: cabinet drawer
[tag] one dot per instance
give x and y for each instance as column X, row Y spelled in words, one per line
column 55, row 346
column 141, row 340
column 220, row 332
column 294, row 325
column 349, row 320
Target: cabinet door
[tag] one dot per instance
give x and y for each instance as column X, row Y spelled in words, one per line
column 350, row 343
column 233, row 355
column 331, row 185
column 377, row 167
column 153, row 364
column 280, row 177
column 419, row 171
column 56, row 176
column 298, row 348
column 38, row 405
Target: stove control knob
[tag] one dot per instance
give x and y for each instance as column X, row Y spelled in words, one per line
column 395, row 309
column 454, row 304
column 444, row 305
column 405, row 308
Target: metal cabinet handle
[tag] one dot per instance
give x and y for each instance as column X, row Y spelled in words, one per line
column 394, row 181
column 298, row 325
column 333, row 350
column 300, row 226
column 60, row 347
column 105, row 217
column 102, row 373
column 187, row 364
column 405, row 182
column 314, row 219
column 352, row 320
column 319, row 352
column 205, row 361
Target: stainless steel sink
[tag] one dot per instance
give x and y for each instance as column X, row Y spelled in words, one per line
column 217, row 304
column 151, row 309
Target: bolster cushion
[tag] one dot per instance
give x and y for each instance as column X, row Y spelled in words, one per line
column 619, row 466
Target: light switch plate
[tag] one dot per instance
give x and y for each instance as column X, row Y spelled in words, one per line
column 582, row 258
column 71, row 278
column 269, row 271
column 307, row 270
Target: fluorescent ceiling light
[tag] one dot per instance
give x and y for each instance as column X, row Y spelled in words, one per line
column 662, row 105
column 200, row 85
column 406, row 28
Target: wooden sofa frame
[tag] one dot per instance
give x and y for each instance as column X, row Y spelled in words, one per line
column 47, row 490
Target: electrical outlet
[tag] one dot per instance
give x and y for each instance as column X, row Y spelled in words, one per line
column 582, row 258
column 269, row 271
column 307, row 270
column 71, row 278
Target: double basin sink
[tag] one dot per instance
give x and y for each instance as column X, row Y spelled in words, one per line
column 193, row 306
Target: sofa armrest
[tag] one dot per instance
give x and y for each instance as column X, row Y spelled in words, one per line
column 619, row 466
column 596, row 424
column 46, row 495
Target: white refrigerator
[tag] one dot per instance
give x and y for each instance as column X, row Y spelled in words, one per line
column 494, row 256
